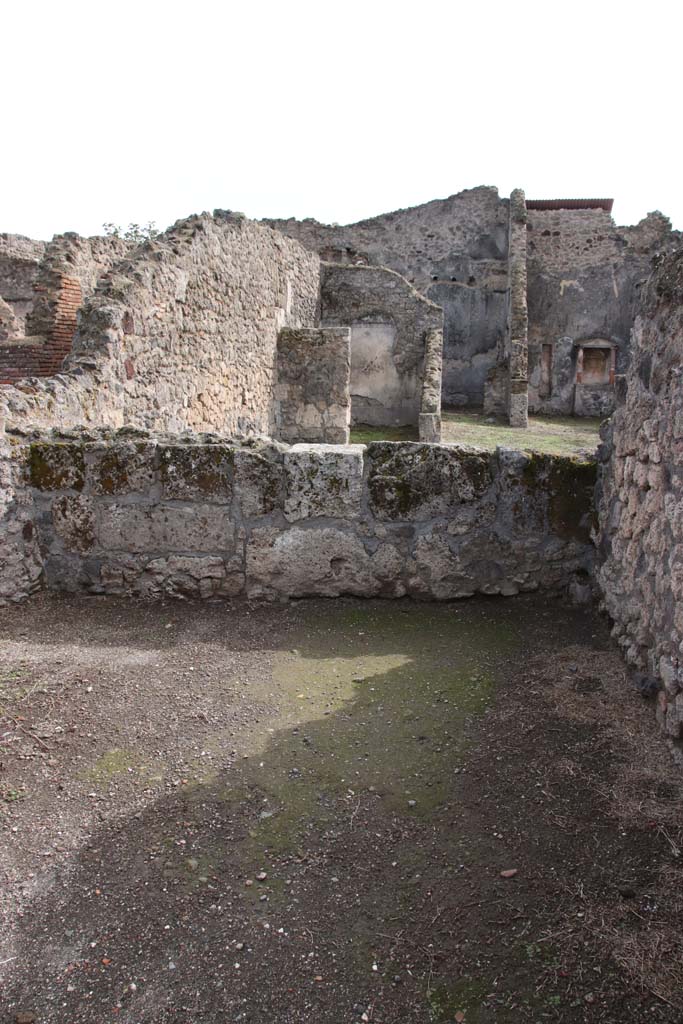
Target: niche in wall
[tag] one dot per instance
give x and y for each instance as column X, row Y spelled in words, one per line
column 595, row 362
column 380, row 395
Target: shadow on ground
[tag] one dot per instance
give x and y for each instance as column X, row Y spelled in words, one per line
column 339, row 856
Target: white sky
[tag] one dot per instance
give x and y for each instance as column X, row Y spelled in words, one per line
column 147, row 110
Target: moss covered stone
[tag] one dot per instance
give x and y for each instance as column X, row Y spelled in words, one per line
column 120, row 467
column 56, row 466
column 421, row 481
column 189, row 471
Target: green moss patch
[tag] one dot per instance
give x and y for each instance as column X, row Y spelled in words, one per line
column 376, row 700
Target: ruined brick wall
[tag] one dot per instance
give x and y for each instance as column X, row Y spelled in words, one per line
column 129, row 513
column 454, row 251
column 182, row 335
column 68, row 271
column 390, row 322
column 640, row 507
column 312, row 399
column 192, row 323
column 585, row 275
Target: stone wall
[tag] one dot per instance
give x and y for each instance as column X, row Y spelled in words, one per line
column 196, row 317
column 63, row 273
column 640, row 505
column 20, row 261
column 454, row 251
column 128, row 513
column 21, row 564
column 585, row 275
column 312, row 391
column 180, row 335
column 390, row 322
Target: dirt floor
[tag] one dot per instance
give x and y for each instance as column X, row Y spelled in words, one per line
column 332, row 812
column 554, row 435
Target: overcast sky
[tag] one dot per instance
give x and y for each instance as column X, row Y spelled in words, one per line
column 148, row 111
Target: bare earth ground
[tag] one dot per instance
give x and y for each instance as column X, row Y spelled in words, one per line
column 301, row 813
column 553, row 435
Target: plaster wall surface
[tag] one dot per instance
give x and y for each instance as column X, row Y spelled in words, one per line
column 640, row 505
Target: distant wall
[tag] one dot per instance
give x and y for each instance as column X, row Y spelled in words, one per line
column 452, row 250
column 585, row 275
column 389, row 323
column 132, row 514
column 640, row 507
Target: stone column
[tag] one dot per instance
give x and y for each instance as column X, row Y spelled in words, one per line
column 518, row 320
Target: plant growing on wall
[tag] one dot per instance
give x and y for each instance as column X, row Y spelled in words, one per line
column 135, row 233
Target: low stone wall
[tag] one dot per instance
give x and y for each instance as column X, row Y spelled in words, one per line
column 21, row 564
column 641, row 499
column 129, row 513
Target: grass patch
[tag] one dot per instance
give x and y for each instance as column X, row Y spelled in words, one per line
column 553, row 435
column 361, row 433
